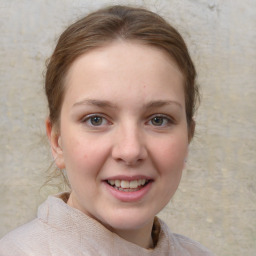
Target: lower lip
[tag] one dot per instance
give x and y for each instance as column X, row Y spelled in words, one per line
column 128, row 196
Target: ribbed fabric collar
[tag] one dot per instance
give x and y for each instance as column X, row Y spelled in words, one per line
column 91, row 235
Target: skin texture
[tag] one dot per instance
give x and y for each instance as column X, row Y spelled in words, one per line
column 126, row 85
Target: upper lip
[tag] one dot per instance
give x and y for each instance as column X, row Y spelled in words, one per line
column 129, row 178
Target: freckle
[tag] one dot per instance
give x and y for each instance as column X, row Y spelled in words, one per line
column 85, row 156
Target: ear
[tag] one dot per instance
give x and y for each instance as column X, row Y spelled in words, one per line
column 54, row 138
column 191, row 130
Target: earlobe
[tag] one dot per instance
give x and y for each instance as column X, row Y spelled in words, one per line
column 55, row 142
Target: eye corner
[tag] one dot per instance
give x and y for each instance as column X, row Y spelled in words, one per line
column 96, row 120
column 160, row 121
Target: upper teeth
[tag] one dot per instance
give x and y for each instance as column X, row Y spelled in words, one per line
column 127, row 184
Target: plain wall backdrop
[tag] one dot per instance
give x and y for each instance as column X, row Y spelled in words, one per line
column 216, row 201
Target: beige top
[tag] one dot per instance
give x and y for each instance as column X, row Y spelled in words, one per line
column 60, row 230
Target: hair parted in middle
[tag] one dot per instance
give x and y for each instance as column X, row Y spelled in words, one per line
column 105, row 26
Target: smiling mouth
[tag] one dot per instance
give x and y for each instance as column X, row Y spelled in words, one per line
column 128, row 186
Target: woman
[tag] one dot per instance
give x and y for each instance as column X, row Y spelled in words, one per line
column 121, row 93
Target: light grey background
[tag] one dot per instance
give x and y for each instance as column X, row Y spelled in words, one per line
column 215, row 203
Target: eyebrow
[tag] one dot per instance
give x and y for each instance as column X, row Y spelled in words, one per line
column 94, row 102
column 108, row 104
column 162, row 103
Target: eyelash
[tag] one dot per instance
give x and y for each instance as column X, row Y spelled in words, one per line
column 166, row 119
column 88, row 120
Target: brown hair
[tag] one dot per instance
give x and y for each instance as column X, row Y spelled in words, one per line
column 109, row 24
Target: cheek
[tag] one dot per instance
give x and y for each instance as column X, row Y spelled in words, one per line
column 170, row 154
column 84, row 154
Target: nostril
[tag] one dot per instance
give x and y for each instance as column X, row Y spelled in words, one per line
column 129, row 146
column 130, row 161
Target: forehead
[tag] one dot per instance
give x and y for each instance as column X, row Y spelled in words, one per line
column 122, row 66
column 126, row 52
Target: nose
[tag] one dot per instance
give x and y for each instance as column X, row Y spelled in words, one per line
column 129, row 147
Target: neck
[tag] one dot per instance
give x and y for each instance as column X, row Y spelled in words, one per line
column 141, row 237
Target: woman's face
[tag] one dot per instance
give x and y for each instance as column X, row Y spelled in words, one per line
column 123, row 133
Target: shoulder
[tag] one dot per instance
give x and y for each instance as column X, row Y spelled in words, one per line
column 183, row 245
column 191, row 246
column 25, row 240
column 57, row 230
